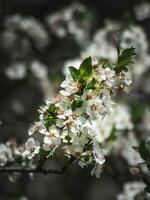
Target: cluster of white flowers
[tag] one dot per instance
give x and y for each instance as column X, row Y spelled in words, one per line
column 79, row 118
column 103, row 44
column 131, row 190
column 5, row 154
column 31, row 26
column 142, row 11
column 16, row 71
column 67, row 21
column 9, row 152
column 105, row 40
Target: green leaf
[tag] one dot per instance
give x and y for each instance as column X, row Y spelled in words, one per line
column 144, row 150
column 52, row 109
column 85, row 69
column 105, row 63
column 125, row 58
column 49, row 121
column 76, row 104
column 92, row 84
column 51, row 116
column 74, row 73
column 44, row 153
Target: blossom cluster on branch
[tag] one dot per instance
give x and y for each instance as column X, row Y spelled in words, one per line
column 75, row 121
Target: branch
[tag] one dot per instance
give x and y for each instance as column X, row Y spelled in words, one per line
column 35, row 170
column 28, row 170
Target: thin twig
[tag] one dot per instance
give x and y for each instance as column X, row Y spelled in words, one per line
column 35, row 170
column 28, row 170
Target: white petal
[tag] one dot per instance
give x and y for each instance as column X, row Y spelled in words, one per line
column 47, row 140
column 64, row 84
column 64, row 93
column 60, row 123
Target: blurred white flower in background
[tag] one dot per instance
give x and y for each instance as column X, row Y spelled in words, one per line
column 132, row 157
column 145, row 124
column 103, row 43
column 142, row 11
column 130, row 190
column 36, row 30
column 16, row 71
column 9, row 40
column 5, row 154
column 32, row 27
column 135, row 36
column 122, row 117
column 74, row 20
column 17, row 107
column 125, row 146
column 39, row 70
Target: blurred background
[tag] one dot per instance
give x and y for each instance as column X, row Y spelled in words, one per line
column 39, row 39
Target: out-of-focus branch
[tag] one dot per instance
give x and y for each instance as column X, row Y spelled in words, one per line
column 35, row 170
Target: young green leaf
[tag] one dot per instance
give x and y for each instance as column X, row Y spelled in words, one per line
column 76, row 104
column 51, row 116
column 49, row 121
column 74, row 73
column 125, row 58
column 91, row 85
column 85, row 69
column 52, row 109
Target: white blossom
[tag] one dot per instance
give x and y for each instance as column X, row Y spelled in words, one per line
column 107, row 75
column 70, row 86
column 32, row 147
column 97, row 170
column 98, row 155
column 6, row 154
column 52, row 139
column 130, row 190
column 94, row 107
column 102, row 128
